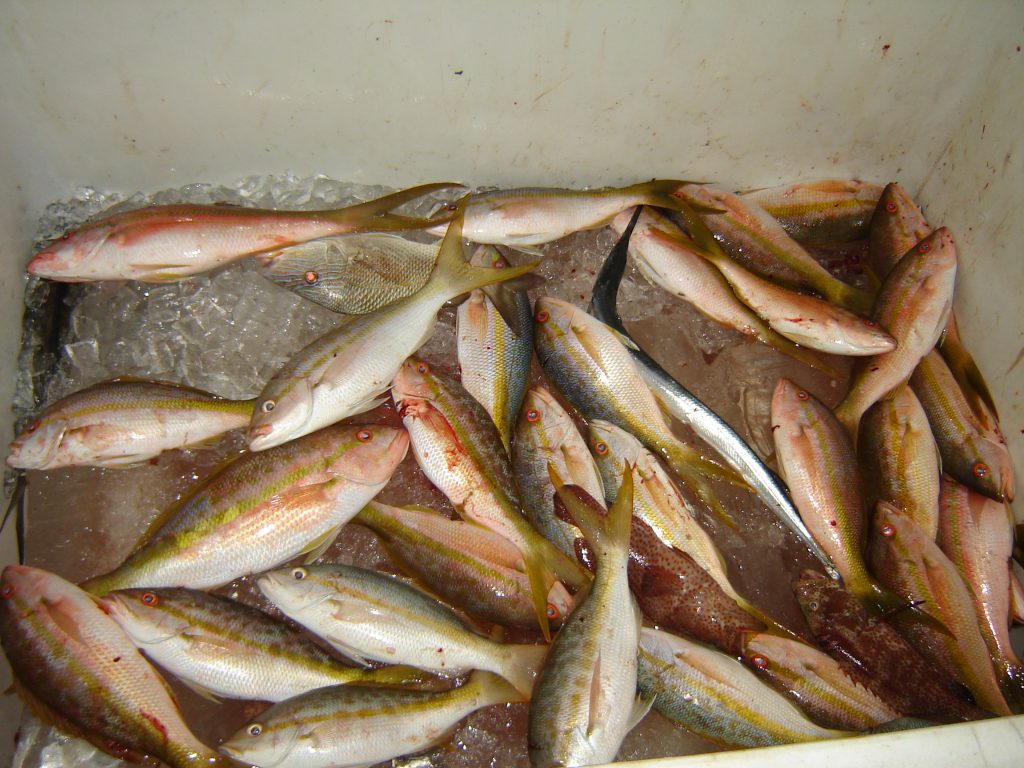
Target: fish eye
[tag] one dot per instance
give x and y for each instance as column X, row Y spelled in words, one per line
column 980, row 470
column 452, row 207
column 423, row 368
column 67, row 235
column 813, row 605
column 542, row 316
column 552, row 612
column 267, row 406
column 299, row 574
column 924, row 247
column 255, row 729
column 364, row 435
column 802, row 395
column 870, row 323
column 760, row 661
column 7, row 590
column 601, row 449
column 311, row 277
column 32, row 426
column 500, row 262
column 533, row 415
column 150, row 599
column 890, row 207
column 887, row 530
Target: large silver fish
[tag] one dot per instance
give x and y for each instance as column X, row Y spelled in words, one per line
column 75, row 664
column 349, row 369
column 220, row 647
column 353, row 726
column 689, row 409
column 585, row 702
column 370, row 615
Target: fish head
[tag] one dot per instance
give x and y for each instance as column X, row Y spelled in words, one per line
column 143, row 615
column 552, row 319
column 282, row 413
column 414, row 381
column 302, row 268
column 374, row 452
column 612, row 444
column 38, row 445
column 827, row 606
column 542, row 413
column 893, row 538
column 263, row 744
column 294, row 589
column 75, row 255
column 988, row 469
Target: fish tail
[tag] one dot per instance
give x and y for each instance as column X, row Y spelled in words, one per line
column 537, row 574
column 968, row 376
column 402, row 676
column 454, row 276
column 602, row 531
column 849, row 415
column 495, row 689
column 376, row 214
column 846, row 296
column 890, row 604
column 773, row 625
column 695, row 470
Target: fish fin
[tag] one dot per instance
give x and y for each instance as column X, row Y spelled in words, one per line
column 641, row 706
column 624, row 340
column 376, row 216
column 892, row 605
column 774, row 627
column 525, row 662
column 202, row 690
column 316, row 548
column 347, row 651
column 18, row 503
column 453, row 275
column 495, row 689
column 966, row 372
column 596, row 711
column 64, row 618
column 663, row 193
column 692, row 469
column 602, row 531
column 404, row 676
column 529, row 250
column 808, row 357
column 537, row 576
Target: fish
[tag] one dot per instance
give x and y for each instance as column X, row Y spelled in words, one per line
column 350, row 726
column 222, row 648
column 975, row 534
column 666, row 263
column 818, row 461
column 585, row 701
column 755, row 239
column 369, row 615
column 494, row 356
column 459, row 450
column 899, row 460
column 913, row 304
column 830, row 695
column 676, row 593
column 590, row 365
column 871, row 648
column 164, row 243
column 546, row 434
column 689, row 409
column 123, row 422
column 897, row 225
column 263, row 509
column 911, row 564
column 971, row 453
column 349, row 369
column 531, row 216
column 351, row 274
column 820, row 212
column 464, row 564
column 79, row 671
column 717, row 698
column 803, row 319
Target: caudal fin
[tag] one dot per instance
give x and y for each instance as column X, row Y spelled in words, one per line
column 494, row 689
column 376, row 216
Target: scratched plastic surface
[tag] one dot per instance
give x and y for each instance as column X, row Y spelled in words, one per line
column 229, row 331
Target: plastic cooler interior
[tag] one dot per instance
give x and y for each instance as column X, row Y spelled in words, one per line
column 125, row 96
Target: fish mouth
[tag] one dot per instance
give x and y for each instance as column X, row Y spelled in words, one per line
column 261, row 437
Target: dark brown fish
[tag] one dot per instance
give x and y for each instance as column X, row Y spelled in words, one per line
column 871, row 648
